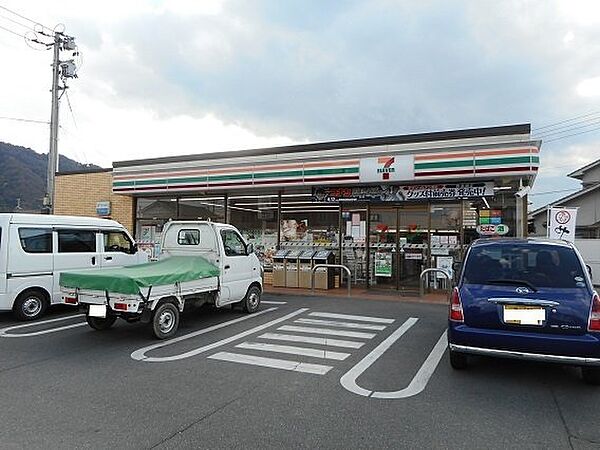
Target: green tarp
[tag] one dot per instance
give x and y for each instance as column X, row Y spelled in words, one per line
column 129, row 279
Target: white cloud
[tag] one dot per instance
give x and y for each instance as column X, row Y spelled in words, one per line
column 589, row 87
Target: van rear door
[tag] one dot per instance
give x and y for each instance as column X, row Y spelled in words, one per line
column 76, row 249
column 523, row 286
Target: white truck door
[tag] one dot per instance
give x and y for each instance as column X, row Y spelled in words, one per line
column 237, row 265
column 76, row 249
column 117, row 249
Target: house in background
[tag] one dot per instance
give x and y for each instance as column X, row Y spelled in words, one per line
column 587, row 200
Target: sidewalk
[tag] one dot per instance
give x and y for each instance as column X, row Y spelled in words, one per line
column 361, row 293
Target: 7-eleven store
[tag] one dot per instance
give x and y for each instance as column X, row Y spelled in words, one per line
column 386, row 207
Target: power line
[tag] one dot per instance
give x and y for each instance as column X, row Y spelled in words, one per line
column 19, row 119
column 16, row 22
column 571, row 135
column 581, row 116
column 35, row 22
column 13, row 32
column 575, row 126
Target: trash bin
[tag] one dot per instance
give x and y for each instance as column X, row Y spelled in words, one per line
column 279, row 268
column 324, row 277
column 305, row 267
column 291, row 268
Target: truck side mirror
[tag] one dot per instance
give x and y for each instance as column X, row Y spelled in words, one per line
column 589, row 269
column 250, row 249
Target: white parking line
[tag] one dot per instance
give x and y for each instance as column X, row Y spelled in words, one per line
column 4, row 332
column 327, row 331
column 140, row 355
column 284, row 364
column 293, row 350
column 272, row 302
column 419, row 381
column 351, row 317
column 334, row 323
column 312, row 340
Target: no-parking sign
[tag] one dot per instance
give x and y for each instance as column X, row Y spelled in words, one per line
column 561, row 223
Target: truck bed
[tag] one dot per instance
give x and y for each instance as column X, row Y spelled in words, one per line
column 183, row 273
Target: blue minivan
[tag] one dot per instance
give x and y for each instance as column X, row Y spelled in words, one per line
column 527, row 299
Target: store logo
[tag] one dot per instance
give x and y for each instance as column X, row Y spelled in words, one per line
column 387, row 168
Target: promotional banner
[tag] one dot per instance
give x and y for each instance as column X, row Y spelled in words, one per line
column 561, row 223
column 391, row 193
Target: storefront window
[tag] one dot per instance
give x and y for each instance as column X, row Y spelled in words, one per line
column 202, row 208
column 307, row 223
column 151, row 216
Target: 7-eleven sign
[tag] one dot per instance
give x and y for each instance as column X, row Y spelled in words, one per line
column 387, row 168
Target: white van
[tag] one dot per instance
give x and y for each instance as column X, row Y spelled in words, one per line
column 34, row 249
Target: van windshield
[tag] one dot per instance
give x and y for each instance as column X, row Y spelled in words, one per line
column 533, row 266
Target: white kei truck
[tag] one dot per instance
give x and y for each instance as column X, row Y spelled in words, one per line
column 200, row 262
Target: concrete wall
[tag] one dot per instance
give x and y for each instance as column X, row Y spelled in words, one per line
column 77, row 195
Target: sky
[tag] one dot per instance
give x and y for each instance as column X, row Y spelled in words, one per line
column 173, row 77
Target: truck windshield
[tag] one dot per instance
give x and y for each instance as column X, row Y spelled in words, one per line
column 529, row 265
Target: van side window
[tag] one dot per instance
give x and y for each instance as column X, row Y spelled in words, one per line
column 76, row 241
column 233, row 243
column 188, row 237
column 36, row 240
column 117, row 241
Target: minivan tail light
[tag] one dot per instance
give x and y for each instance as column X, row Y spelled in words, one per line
column 456, row 310
column 594, row 322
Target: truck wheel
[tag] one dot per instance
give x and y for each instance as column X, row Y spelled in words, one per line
column 30, row 305
column 251, row 302
column 458, row 361
column 165, row 321
column 101, row 323
column 591, row 375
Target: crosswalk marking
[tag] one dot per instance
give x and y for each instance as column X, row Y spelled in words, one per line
column 351, row 317
column 284, row 364
column 312, row 340
column 335, row 323
column 292, row 350
column 327, row 331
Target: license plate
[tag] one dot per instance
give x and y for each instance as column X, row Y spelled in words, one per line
column 97, row 311
column 524, row 315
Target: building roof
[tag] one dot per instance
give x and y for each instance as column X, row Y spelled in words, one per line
column 578, row 174
column 505, row 130
column 562, row 200
column 82, row 171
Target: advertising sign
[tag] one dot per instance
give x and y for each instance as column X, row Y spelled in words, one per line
column 103, row 209
column 492, row 230
column 561, row 223
column 386, row 168
column 383, row 264
column 389, row 193
column 444, row 263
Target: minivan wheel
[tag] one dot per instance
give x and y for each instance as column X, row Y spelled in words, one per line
column 30, row 305
column 101, row 323
column 458, row 361
column 165, row 321
column 591, row 375
column 252, row 300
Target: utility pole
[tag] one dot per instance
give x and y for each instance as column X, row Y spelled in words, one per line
column 53, row 147
column 61, row 71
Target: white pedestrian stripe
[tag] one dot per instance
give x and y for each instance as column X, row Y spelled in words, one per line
column 351, row 317
column 327, row 331
column 284, row 364
column 293, row 350
column 334, row 323
column 272, row 302
column 312, row 340
column 4, row 332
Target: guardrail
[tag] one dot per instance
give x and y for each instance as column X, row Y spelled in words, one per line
column 425, row 272
column 333, row 266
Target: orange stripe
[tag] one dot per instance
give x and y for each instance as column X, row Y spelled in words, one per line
column 333, row 163
column 516, row 151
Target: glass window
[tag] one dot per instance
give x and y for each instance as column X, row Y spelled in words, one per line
column 36, row 240
column 188, row 237
column 117, row 241
column 203, row 208
column 233, row 243
column 537, row 265
column 76, row 241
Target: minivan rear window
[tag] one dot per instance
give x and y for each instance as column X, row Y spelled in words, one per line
column 538, row 265
column 76, row 241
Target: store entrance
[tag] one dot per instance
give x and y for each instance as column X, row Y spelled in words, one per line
column 398, row 243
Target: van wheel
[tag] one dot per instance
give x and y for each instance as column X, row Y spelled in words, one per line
column 458, row 361
column 251, row 302
column 591, row 375
column 165, row 321
column 30, row 305
column 101, row 323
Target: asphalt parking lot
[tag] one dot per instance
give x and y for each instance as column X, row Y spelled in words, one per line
column 369, row 374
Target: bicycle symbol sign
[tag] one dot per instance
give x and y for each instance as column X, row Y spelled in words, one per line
column 563, row 217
